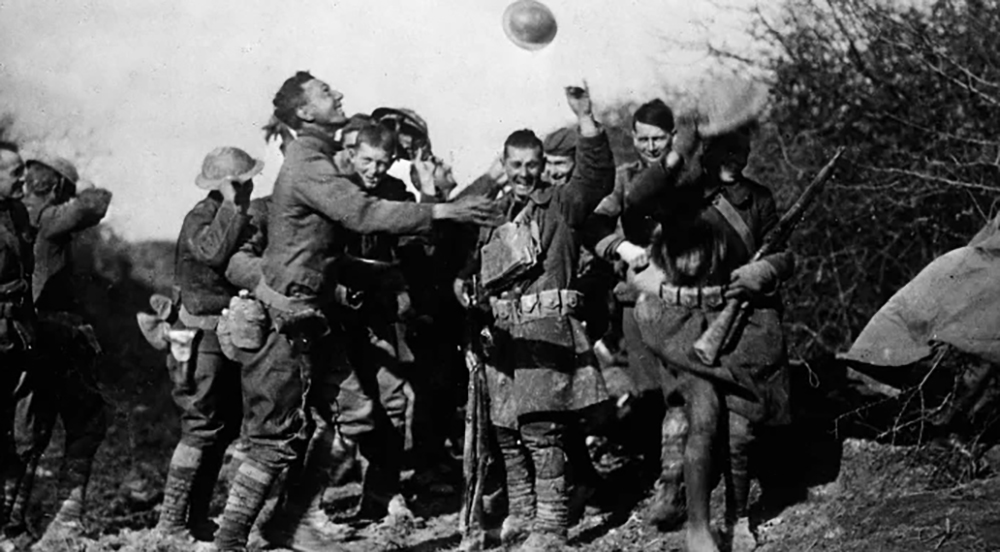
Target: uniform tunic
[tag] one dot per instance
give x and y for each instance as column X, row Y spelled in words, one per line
column 752, row 375
column 547, row 365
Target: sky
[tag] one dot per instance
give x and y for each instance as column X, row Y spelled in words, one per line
column 138, row 91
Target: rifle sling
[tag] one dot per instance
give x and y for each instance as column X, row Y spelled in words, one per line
column 734, row 219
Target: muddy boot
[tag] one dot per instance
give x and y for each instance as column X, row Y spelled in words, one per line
column 173, row 522
column 298, row 522
column 546, row 440
column 520, row 487
column 247, row 494
column 67, row 527
column 667, row 511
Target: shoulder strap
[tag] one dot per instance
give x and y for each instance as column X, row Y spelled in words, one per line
column 734, row 219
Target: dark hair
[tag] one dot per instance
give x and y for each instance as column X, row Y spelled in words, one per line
column 655, row 113
column 522, row 139
column 378, row 136
column 9, row 146
column 357, row 122
column 290, row 98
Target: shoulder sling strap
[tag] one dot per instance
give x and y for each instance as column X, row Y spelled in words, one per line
column 734, row 219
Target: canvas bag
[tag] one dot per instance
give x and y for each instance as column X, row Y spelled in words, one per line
column 513, row 249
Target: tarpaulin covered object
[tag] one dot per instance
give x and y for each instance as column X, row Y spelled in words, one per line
column 953, row 300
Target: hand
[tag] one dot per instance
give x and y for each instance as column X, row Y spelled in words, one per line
column 424, row 169
column 461, row 292
column 752, row 279
column 579, row 100
column 496, row 171
column 475, row 209
column 444, row 180
column 236, row 193
column 228, row 191
column 635, row 256
column 404, row 306
column 648, row 280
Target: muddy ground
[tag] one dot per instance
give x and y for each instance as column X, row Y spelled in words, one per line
column 850, row 494
column 883, row 498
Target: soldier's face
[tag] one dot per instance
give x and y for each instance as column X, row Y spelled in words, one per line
column 727, row 156
column 11, row 175
column 523, row 167
column 371, row 164
column 558, row 169
column 651, row 142
column 322, row 104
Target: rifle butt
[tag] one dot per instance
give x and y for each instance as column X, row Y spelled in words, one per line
column 708, row 345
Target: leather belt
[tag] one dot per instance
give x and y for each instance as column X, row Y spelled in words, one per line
column 267, row 295
column 712, row 297
column 207, row 322
column 547, row 304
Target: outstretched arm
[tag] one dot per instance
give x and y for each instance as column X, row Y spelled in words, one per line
column 83, row 211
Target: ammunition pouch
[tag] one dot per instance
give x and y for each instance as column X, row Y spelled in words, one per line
column 552, row 303
column 513, row 250
column 708, row 297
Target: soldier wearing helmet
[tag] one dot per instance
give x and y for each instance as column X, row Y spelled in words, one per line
column 206, row 382
column 62, row 381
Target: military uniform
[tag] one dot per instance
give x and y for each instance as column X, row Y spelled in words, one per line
column 377, row 267
column 17, row 323
column 206, row 384
column 62, row 382
column 543, row 372
column 293, row 375
column 752, row 380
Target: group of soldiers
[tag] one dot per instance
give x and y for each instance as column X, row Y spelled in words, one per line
column 47, row 349
column 305, row 322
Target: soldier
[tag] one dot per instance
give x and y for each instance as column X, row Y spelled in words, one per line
column 377, row 270
column 713, row 218
column 545, row 374
column 289, row 377
column 16, row 328
column 62, row 382
column 206, row 383
column 620, row 234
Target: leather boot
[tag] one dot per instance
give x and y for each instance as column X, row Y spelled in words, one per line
column 667, row 511
column 520, row 486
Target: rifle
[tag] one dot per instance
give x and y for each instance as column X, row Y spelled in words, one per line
column 476, row 452
column 717, row 335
